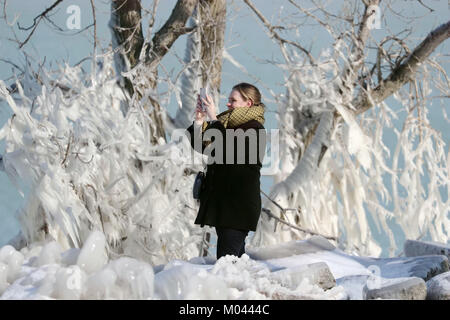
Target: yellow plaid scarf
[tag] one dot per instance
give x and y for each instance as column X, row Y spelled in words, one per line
column 237, row 116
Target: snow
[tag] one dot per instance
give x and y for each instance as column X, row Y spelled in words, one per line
column 44, row 271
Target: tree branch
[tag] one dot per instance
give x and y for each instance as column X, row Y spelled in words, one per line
column 356, row 60
column 36, row 22
column 127, row 35
column 95, row 30
column 276, row 36
column 170, row 31
column 404, row 72
column 271, row 215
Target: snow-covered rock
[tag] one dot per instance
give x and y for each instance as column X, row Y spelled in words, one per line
column 93, row 254
column 398, row 289
column 101, row 285
column 51, row 253
column 354, row 285
column 70, row 257
column 306, row 292
column 251, row 279
column 135, row 279
column 353, row 273
column 13, row 260
column 3, row 277
column 181, row 280
column 314, row 269
column 438, row 288
column 427, row 267
column 315, row 273
column 291, row 248
column 413, row 248
column 68, row 283
column 424, row 267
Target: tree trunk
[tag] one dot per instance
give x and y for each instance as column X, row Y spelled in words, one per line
column 213, row 17
column 126, row 30
column 204, row 51
column 127, row 33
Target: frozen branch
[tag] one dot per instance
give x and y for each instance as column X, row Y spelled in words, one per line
column 404, row 72
column 273, row 216
column 356, row 59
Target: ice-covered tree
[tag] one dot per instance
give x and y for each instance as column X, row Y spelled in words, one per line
column 94, row 148
column 332, row 119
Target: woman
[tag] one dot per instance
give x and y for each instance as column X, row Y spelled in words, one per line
column 230, row 198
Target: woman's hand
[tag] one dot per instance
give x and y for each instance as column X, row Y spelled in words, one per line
column 210, row 109
column 200, row 115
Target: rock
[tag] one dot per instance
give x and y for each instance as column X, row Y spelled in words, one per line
column 426, row 267
column 291, row 248
column 316, row 273
column 398, row 289
column 438, row 288
column 414, row 248
column 336, row 293
column 353, row 285
column 280, row 295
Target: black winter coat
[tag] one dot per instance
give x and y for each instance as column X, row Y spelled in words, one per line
column 230, row 197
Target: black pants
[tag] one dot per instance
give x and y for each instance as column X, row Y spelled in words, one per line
column 230, row 241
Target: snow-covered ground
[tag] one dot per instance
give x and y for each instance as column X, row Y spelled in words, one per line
column 44, row 271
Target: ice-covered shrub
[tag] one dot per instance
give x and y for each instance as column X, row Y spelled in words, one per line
column 343, row 180
column 87, row 165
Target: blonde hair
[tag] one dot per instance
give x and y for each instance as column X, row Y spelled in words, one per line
column 249, row 91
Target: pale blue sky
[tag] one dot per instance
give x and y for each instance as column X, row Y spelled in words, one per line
column 246, row 41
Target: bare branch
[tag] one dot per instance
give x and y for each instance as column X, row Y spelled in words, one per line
column 404, row 72
column 36, row 21
column 95, row 28
column 275, row 35
column 323, row 24
column 271, row 215
column 420, row 1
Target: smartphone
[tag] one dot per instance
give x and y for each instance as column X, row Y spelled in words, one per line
column 203, row 93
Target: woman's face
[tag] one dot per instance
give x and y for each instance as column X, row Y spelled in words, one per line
column 235, row 100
